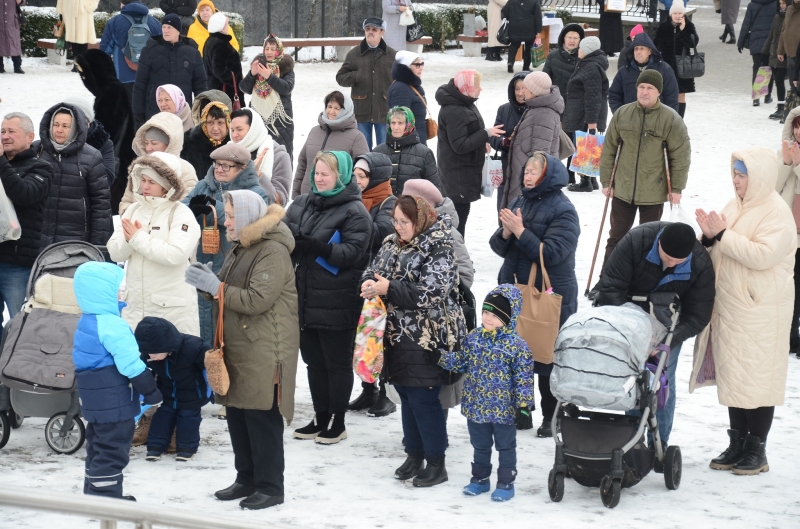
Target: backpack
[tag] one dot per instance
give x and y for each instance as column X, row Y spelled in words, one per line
column 138, row 35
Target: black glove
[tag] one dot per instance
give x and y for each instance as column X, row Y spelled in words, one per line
column 145, row 384
column 304, row 244
column 524, row 420
column 200, row 205
column 739, row 48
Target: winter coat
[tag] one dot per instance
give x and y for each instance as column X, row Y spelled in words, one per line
column 78, row 18
column 747, row 341
column 180, row 376
column 115, row 37
column 343, row 136
column 499, row 368
column 524, row 19
column 586, row 98
column 26, row 180
column 400, row 94
column 494, row 19
column 198, row 31
column 788, row 183
column 730, row 11
column 79, row 207
column 369, row 73
column 163, row 63
column 98, row 138
column 758, row 23
column 410, row 159
column 560, row 63
column 466, row 269
column 461, row 146
column 610, row 26
column 10, row 44
column 170, row 125
column 158, row 254
column 222, row 64
column 790, row 36
column 673, row 42
column 538, row 130
column 197, row 149
column 183, row 8
column 262, row 336
column 635, row 267
column 395, row 35
column 281, row 130
column 508, row 115
column 623, row 88
column 641, row 178
column 771, row 44
column 423, row 320
column 329, row 301
column 380, row 170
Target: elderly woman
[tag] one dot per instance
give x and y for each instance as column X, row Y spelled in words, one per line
column 261, row 341
column 752, row 243
column 395, row 35
column 541, row 218
column 170, row 99
column 676, row 36
column 416, row 274
column 406, row 88
column 211, row 133
column 332, row 231
column 411, row 158
column 788, row 186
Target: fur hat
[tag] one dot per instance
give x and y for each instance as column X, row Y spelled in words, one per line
column 652, row 77
column 589, row 44
column 232, row 152
column 678, row 240
column 538, row 83
column 174, row 20
column 677, row 7
column 217, row 22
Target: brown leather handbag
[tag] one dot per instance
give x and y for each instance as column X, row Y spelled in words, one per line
column 210, row 235
column 433, row 127
column 216, row 370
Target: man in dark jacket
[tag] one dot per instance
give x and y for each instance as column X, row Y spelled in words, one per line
column 369, row 89
column 755, row 30
column 168, row 59
column 663, row 257
column 26, row 180
column 560, row 63
column 508, row 115
column 642, row 55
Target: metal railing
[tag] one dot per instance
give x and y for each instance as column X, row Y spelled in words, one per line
column 636, row 8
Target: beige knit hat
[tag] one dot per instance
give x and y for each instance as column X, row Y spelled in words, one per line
column 538, row 83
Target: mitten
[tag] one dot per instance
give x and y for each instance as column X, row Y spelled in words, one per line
column 524, row 420
column 303, row 244
column 145, row 384
column 200, row 204
column 202, row 278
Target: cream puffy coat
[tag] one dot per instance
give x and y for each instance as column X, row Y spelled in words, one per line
column 158, row 254
column 78, row 20
column 493, row 13
column 748, row 335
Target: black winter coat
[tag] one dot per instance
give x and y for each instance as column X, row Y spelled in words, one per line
column 758, row 26
column 410, row 159
column 586, row 99
column 400, row 94
column 672, row 42
column 79, row 207
column 623, row 88
column 560, row 63
column 380, row 171
column 328, row 301
column 98, row 138
column 461, row 148
column 222, row 64
column 524, row 19
column 629, row 271
column 508, row 115
column 610, row 25
column 197, row 149
column 163, row 63
column 26, row 180
column 183, row 8
column 179, row 376
column 283, row 84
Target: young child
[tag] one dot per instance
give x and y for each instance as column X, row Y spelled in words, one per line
column 178, row 362
column 110, row 377
column 498, row 389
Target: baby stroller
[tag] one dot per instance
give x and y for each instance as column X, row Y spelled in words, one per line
column 37, row 376
column 601, row 361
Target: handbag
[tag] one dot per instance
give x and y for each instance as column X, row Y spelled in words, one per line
column 692, row 65
column 565, row 146
column 406, row 18
column 540, row 317
column 368, row 351
column 433, row 127
column 237, row 105
column 761, row 84
column 502, row 34
column 216, row 371
column 414, row 32
column 796, row 211
column 538, row 55
column 588, row 148
column 58, row 28
column 10, row 229
column 209, row 236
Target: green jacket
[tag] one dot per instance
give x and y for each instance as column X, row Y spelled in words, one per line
column 641, row 177
column 262, row 333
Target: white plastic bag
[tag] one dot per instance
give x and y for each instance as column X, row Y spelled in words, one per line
column 406, row 17
column 10, row 230
column 677, row 214
column 492, row 175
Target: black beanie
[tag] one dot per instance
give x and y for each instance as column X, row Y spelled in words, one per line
column 677, row 240
column 173, row 20
column 499, row 306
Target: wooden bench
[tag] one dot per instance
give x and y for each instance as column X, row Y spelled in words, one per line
column 53, row 57
column 472, row 44
column 344, row 44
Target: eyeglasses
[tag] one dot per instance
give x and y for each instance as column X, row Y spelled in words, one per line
column 418, row 64
column 401, row 223
column 225, row 167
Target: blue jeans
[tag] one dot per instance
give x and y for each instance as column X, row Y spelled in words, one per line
column 185, row 423
column 505, row 440
column 380, row 133
column 13, row 282
column 666, row 416
column 424, row 425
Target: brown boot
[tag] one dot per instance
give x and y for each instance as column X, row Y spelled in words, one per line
column 172, row 448
column 143, row 427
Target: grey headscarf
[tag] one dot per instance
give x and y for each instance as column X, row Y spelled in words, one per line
column 248, row 207
column 73, row 131
column 345, row 113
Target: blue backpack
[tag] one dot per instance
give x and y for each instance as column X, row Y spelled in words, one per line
column 138, row 35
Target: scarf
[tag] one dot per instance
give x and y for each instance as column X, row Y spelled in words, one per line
column 73, row 130
column 248, row 207
column 376, row 195
column 174, row 93
column 426, row 216
column 410, row 123
column 345, row 163
column 344, row 114
column 256, row 139
column 266, row 101
column 204, row 116
column 465, row 82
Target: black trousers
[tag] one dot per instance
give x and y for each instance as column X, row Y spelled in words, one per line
column 257, row 441
column 526, row 52
column 621, row 220
column 756, row 422
column 16, row 60
column 78, row 49
column 794, row 335
column 548, row 400
column 329, row 360
column 462, row 208
column 779, row 80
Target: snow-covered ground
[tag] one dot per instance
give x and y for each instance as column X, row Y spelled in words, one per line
column 351, row 484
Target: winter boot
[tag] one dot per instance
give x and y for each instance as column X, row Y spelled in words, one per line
column 731, row 35
column 143, row 427
column 496, row 56
column 313, row 429
column 545, row 430
column 334, row 432
column 367, row 399
column 433, row 474
column 413, row 465
column 479, row 482
column 778, row 114
column 756, row 102
column 382, row 407
column 510, row 65
column 595, row 185
column 505, row 484
column 754, row 459
column 258, row 501
column 153, row 455
column 724, row 34
column 183, row 455
column 234, row 492
column 585, row 186
column 768, row 99
column 682, row 109
column 732, row 454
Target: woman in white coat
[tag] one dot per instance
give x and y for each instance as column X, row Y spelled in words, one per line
column 493, row 12
column 157, row 237
column 78, row 16
column 743, row 351
column 395, row 35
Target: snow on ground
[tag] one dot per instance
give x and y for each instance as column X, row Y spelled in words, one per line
column 351, row 484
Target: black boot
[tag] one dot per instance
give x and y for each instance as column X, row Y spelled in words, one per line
column 496, row 55
column 756, row 102
column 2, row 66
column 754, row 459
column 383, row 405
column 546, row 429
column 768, row 99
column 313, row 429
column 334, row 432
column 682, row 109
column 511, row 67
column 234, row 492
column 595, row 185
column 731, row 34
column 433, row 474
column 732, row 454
column 413, row 465
column 778, row 114
column 367, row 399
column 258, row 501
column 585, row 186
column 724, row 34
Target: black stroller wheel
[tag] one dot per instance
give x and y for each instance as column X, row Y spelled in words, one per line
column 610, row 490
column 74, row 438
column 5, row 429
column 555, row 485
column 673, row 468
column 15, row 419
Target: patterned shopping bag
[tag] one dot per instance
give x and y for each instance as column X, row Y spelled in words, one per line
column 368, row 352
column 588, row 147
column 761, row 84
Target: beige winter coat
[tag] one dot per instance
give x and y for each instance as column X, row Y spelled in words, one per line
column 493, row 24
column 744, row 349
column 78, row 20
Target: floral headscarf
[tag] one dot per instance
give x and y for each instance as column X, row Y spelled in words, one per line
column 426, row 216
column 204, row 117
column 465, row 82
column 262, row 88
column 410, row 123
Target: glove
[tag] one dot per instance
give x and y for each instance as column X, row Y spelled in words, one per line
column 199, row 205
column 506, row 143
column 145, row 384
column 739, row 48
column 201, row 277
column 524, row 420
column 303, row 244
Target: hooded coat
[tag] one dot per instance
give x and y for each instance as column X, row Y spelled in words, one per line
column 197, row 149
column 369, row 73
column 115, row 37
column 498, row 366
column 10, row 43
column 380, row 170
column 400, row 94
column 623, row 88
column 79, row 207
column 673, row 42
column 560, row 63
column 743, row 351
column 790, row 36
column 410, row 159
column 198, row 31
column 730, row 11
column 223, row 64
column 586, row 99
column 461, row 147
column 283, row 84
column 202, row 99
column 508, row 115
column 758, row 23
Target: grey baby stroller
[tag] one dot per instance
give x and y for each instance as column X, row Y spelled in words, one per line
column 37, row 375
column 602, row 361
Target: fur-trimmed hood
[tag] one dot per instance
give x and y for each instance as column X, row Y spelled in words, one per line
column 268, row 227
column 168, row 123
column 166, row 165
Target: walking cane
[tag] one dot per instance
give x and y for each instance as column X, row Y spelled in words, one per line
column 669, row 178
column 603, row 219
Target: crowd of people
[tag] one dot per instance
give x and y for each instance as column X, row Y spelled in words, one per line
column 366, row 209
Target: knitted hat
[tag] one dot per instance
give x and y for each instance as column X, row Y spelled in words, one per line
column 499, row 306
column 216, row 23
column 652, row 77
column 739, row 165
column 232, row 152
column 677, row 240
column 538, row 83
column 638, row 28
column 175, row 21
column 677, row 7
column 84, row 104
column 362, row 164
column 589, row 44
column 406, row 57
column 375, row 22
column 425, row 189
column 155, row 133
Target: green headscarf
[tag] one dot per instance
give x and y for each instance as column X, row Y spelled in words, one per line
column 345, row 163
column 410, row 123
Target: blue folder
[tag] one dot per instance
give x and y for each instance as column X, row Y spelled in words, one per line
column 335, row 239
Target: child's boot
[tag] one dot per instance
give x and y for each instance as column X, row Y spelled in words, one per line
column 505, row 484
column 479, row 482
